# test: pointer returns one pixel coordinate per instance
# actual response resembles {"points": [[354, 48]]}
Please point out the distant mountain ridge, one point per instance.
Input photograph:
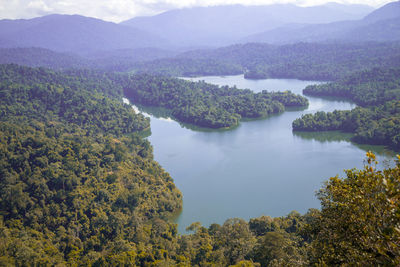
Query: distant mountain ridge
{"points": [[388, 11], [116, 60], [119, 47], [73, 33], [382, 24], [222, 25]]}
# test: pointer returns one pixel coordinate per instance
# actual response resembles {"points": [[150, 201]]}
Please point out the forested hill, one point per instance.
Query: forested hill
{"points": [[207, 105], [377, 122], [200, 104], [41, 57], [307, 61], [74, 33], [366, 88], [83, 100], [114, 60], [77, 182], [79, 187]]}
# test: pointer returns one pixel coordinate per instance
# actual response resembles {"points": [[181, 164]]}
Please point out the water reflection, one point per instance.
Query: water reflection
{"points": [[338, 136], [259, 168], [328, 136]]}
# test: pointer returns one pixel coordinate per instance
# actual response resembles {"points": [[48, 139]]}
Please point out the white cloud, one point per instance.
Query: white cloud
{"points": [[119, 10]]}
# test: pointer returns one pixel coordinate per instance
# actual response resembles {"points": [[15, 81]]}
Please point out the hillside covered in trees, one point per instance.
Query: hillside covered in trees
{"points": [[79, 186], [376, 121], [200, 104], [207, 105], [366, 88], [76, 178], [305, 61]]}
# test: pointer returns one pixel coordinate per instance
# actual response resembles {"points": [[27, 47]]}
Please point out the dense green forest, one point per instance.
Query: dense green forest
{"points": [[366, 88], [305, 61], [207, 105], [177, 66], [114, 60], [38, 94], [79, 186], [377, 121], [76, 178], [201, 104], [40, 57]]}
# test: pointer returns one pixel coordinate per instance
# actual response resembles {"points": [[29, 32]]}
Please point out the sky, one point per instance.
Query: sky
{"points": [[120, 10]]}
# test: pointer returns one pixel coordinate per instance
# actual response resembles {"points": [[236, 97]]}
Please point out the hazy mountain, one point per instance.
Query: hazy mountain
{"points": [[357, 11], [295, 33], [73, 33], [221, 25], [306, 61], [382, 24], [115, 60], [135, 54], [388, 11], [41, 57], [124, 59]]}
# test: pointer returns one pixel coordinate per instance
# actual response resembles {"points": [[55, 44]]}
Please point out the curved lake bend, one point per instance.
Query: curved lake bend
{"points": [[259, 168]]}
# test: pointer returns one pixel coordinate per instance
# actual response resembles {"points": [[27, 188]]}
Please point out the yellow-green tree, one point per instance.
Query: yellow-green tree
{"points": [[360, 218]]}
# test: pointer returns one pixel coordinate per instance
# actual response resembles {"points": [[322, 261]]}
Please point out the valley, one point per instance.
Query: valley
{"points": [[232, 133]]}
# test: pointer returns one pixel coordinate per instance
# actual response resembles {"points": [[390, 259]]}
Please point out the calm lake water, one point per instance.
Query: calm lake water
{"points": [[259, 168]]}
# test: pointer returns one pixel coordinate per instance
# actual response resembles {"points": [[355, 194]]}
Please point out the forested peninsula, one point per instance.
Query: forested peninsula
{"points": [[196, 103], [376, 121], [207, 105]]}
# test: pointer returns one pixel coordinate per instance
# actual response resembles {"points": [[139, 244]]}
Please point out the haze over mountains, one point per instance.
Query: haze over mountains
{"points": [[74, 33], [222, 25], [175, 31], [382, 24]]}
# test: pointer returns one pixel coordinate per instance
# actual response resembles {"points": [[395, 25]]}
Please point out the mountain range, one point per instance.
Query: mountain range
{"points": [[74, 33], [223, 25], [382, 24], [181, 30]]}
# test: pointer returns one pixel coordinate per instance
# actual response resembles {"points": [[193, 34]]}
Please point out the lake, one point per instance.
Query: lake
{"points": [[259, 168]]}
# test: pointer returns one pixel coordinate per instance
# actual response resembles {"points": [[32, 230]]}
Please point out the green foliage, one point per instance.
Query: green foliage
{"points": [[78, 185], [366, 88], [38, 93], [41, 57], [306, 61], [241, 243], [86, 191], [379, 124], [257, 72], [204, 104], [112, 60], [359, 221], [186, 67]]}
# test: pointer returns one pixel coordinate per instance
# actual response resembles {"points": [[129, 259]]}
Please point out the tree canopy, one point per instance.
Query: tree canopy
{"points": [[79, 186], [204, 104], [376, 122]]}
